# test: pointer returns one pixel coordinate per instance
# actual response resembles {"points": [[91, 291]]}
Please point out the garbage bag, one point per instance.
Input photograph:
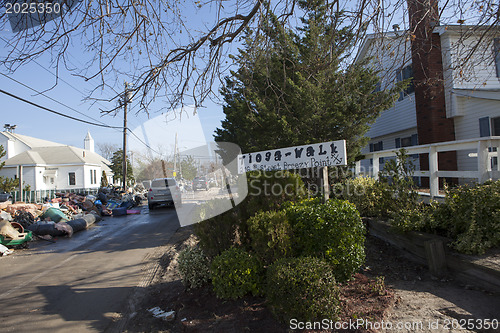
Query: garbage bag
{"points": [[55, 214]]}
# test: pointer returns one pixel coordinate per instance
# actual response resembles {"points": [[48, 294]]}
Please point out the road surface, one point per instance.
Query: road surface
{"points": [[83, 283]]}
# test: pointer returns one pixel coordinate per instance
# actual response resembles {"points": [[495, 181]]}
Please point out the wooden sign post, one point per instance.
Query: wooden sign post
{"points": [[326, 185]]}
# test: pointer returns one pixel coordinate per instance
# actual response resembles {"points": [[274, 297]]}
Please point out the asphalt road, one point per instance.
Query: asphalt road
{"points": [[83, 283]]}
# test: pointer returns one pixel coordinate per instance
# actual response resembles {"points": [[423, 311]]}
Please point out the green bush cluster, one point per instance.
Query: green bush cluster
{"points": [[271, 235], [386, 198], [333, 231], [306, 247], [363, 193], [194, 267], [470, 216], [218, 233], [302, 288], [236, 273], [230, 228]]}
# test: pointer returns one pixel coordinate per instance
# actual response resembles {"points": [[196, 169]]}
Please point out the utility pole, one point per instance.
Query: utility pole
{"points": [[126, 100], [175, 156]]}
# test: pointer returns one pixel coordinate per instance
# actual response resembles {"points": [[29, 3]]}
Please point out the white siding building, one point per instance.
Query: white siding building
{"points": [[471, 91], [48, 165]]}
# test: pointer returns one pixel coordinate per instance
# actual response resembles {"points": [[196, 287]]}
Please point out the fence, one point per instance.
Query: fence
{"points": [[486, 149], [40, 195]]}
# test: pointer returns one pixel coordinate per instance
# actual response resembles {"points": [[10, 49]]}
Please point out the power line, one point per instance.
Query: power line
{"points": [[56, 76], [52, 99], [69, 107], [58, 113], [45, 68], [64, 81]]}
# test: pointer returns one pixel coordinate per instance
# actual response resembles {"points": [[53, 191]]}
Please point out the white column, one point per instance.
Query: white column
{"points": [[433, 172], [483, 165], [376, 166]]}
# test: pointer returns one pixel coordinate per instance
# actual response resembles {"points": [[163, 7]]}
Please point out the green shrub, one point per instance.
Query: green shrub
{"points": [[414, 218], [230, 228], [366, 194], [236, 273], [216, 234], [387, 197], [302, 288], [270, 190], [471, 217], [333, 231], [270, 234], [194, 268]]}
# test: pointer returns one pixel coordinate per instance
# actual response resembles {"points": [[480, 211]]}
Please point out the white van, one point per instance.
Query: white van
{"points": [[164, 191]]}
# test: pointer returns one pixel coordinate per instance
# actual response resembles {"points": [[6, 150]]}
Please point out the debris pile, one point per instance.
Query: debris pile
{"points": [[63, 215]]}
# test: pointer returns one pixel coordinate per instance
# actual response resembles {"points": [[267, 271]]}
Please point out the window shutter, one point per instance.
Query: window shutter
{"points": [[414, 140], [371, 147], [484, 126], [398, 142], [380, 145]]}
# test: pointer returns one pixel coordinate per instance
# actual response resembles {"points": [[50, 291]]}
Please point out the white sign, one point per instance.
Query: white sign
{"points": [[306, 156]]}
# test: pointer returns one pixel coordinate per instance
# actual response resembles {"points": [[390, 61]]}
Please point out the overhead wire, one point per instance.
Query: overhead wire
{"points": [[101, 124], [55, 112], [52, 99]]}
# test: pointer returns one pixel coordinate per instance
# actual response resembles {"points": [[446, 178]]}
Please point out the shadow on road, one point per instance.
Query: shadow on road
{"points": [[97, 306]]}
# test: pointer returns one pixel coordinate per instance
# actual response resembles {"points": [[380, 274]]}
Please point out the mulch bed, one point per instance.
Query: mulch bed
{"points": [[199, 310]]}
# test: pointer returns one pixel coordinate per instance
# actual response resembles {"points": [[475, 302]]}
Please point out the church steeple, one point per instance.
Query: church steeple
{"points": [[89, 142]]}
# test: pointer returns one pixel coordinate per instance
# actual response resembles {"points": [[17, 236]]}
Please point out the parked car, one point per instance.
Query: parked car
{"points": [[5, 197], [200, 183], [164, 191]]}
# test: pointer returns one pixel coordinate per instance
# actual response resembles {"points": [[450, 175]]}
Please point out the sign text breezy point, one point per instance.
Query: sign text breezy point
{"points": [[306, 156]]}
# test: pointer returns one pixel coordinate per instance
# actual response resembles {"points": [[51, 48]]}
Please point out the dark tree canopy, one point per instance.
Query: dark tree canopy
{"points": [[290, 88], [117, 168]]}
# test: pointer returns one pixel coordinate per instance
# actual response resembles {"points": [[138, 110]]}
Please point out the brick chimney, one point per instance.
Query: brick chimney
{"points": [[432, 124]]}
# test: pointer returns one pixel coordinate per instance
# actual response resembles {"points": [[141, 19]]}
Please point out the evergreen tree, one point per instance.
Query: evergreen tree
{"points": [[117, 168], [297, 92]]}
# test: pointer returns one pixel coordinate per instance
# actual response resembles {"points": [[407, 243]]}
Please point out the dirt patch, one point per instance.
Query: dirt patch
{"points": [[426, 304], [409, 296]]}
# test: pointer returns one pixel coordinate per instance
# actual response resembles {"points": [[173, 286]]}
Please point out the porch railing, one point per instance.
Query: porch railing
{"points": [[484, 151]]}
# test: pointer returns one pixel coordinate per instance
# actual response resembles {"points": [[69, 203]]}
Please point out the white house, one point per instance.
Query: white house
{"points": [[49, 165], [458, 99]]}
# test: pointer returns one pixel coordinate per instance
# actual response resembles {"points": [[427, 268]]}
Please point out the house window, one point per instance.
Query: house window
{"points": [[72, 178], [407, 141], [484, 127], [496, 54], [495, 126], [404, 74], [95, 176], [376, 146]]}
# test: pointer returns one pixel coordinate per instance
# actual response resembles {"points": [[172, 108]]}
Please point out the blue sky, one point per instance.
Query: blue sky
{"points": [[42, 124], [71, 91]]}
